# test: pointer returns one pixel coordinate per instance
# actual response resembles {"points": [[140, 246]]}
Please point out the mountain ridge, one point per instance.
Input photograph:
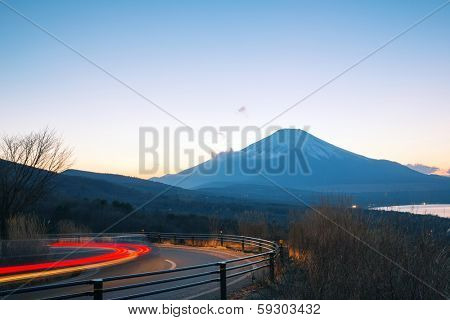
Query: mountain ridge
{"points": [[331, 168]]}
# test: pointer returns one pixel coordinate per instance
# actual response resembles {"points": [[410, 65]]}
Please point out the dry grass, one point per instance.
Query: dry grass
{"points": [[328, 263], [213, 244], [68, 226], [202, 243], [25, 227], [23, 230]]}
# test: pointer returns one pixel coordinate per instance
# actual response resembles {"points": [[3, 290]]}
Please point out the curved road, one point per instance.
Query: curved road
{"points": [[162, 257]]}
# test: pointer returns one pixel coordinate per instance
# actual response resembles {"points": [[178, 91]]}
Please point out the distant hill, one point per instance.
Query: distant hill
{"points": [[299, 161], [84, 184], [124, 181], [75, 186]]}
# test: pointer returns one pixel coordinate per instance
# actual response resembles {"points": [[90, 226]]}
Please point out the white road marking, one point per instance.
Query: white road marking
{"points": [[208, 250], [173, 265], [230, 283]]}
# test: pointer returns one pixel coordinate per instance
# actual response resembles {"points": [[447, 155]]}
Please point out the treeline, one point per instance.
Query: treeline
{"points": [[99, 215]]}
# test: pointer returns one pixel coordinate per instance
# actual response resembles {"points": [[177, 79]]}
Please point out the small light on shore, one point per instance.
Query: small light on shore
{"points": [[354, 206]]}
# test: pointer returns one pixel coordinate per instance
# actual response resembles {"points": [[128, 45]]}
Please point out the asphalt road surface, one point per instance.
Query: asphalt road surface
{"points": [[162, 257]]}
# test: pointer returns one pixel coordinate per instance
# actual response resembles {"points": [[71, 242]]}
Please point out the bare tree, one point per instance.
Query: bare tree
{"points": [[253, 224], [27, 166], [214, 223]]}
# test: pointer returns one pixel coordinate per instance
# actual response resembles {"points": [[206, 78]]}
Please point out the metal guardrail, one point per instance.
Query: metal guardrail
{"points": [[268, 255]]}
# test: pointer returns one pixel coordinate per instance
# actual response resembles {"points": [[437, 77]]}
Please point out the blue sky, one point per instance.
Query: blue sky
{"points": [[203, 60]]}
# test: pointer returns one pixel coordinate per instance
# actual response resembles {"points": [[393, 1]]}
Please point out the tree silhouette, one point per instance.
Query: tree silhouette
{"points": [[30, 162]]}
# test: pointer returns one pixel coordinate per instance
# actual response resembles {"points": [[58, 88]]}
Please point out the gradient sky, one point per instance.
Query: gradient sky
{"points": [[203, 60]]}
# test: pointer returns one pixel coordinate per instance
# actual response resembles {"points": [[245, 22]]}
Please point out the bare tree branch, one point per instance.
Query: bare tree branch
{"points": [[28, 163]]}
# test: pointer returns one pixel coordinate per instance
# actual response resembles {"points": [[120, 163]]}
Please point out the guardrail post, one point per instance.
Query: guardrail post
{"points": [[221, 240], [98, 289], [159, 238], [175, 239], [243, 245], [272, 266], [281, 248], [223, 280], [259, 246]]}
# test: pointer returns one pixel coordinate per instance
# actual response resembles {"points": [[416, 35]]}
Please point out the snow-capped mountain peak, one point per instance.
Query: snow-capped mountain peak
{"points": [[288, 140]]}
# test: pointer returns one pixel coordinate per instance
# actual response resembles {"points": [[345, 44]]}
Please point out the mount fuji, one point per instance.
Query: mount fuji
{"points": [[295, 159]]}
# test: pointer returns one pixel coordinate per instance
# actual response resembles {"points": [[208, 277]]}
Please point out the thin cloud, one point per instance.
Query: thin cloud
{"points": [[423, 168], [443, 172]]}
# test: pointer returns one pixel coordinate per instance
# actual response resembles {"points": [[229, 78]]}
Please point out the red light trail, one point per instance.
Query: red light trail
{"points": [[120, 252]]}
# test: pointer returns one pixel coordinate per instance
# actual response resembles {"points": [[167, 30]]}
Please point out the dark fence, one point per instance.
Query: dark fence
{"points": [[261, 254]]}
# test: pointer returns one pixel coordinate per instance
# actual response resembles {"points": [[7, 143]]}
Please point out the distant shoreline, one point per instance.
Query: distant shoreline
{"points": [[441, 210]]}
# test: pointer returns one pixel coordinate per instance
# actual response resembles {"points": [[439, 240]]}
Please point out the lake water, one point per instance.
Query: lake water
{"points": [[442, 210]]}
